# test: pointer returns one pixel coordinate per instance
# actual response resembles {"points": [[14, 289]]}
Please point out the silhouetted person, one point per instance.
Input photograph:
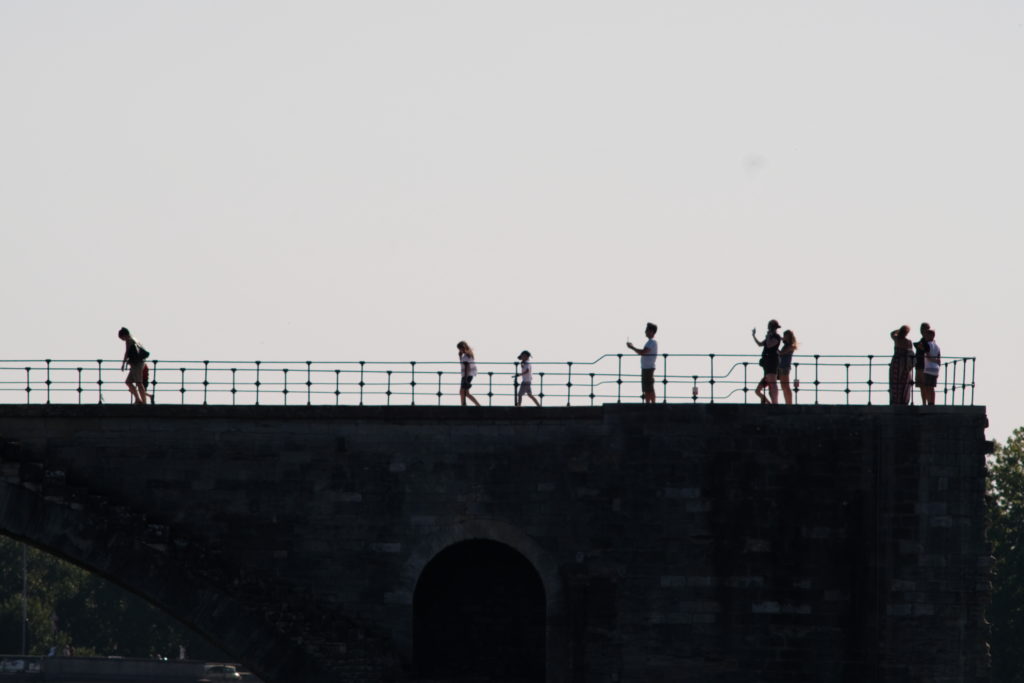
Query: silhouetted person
{"points": [[932, 365], [769, 361], [467, 364], [135, 360], [921, 349], [525, 386], [649, 356], [789, 345], [901, 367]]}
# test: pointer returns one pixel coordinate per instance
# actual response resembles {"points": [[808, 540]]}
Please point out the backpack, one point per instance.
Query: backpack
{"points": [[137, 353]]}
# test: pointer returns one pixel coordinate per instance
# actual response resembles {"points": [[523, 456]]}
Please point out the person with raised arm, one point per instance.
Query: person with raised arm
{"points": [[769, 362], [649, 356]]}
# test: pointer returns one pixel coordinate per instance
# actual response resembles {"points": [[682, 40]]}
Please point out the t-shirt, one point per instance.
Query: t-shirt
{"points": [[650, 355], [471, 371], [933, 359], [527, 371]]}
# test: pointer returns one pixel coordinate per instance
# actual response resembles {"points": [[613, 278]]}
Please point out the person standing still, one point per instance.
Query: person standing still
{"points": [[648, 357], [135, 361], [932, 366], [921, 349], [769, 361], [901, 367]]}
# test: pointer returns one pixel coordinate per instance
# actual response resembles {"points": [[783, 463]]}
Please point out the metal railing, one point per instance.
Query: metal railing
{"points": [[612, 378]]}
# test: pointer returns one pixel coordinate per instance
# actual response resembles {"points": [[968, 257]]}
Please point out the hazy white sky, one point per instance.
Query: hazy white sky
{"points": [[377, 180]]}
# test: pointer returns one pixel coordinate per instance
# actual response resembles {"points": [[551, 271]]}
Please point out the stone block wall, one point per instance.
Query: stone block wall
{"points": [[719, 543]]}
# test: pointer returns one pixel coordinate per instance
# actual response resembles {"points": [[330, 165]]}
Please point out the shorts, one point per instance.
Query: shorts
{"points": [[783, 370], [524, 389], [135, 373], [928, 381], [647, 380], [467, 382], [770, 365]]}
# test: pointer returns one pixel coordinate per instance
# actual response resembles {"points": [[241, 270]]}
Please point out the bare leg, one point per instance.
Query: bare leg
{"points": [[773, 388], [759, 391], [141, 391], [133, 391], [470, 397], [786, 391], [534, 399]]}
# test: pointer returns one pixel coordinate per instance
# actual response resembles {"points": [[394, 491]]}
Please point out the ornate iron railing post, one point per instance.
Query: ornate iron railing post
{"points": [[568, 386], [870, 379], [816, 382], [47, 381], [309, 382], [257, 382], [618, 398], [206, 379], [711, 376], [412, 381], [362, 384], [99, 379]]}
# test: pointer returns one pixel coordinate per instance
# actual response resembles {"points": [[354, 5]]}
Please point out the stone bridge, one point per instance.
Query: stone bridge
{"points": [[723, 543]]}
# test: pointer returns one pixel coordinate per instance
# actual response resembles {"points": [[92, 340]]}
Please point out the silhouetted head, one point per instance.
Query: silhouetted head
{"points": [[789, 338], [925, 327], [123, 333], [929, 335], [463, 347], [903, 331], [525, 355], [651, 330], [773, 325]]}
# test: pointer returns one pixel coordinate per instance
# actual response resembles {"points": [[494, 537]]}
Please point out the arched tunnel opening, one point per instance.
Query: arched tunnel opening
{"points": [[479, 613]]}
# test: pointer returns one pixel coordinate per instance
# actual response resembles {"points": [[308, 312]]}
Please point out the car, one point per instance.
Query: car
{"points": [[221, 673], [13, 666]]}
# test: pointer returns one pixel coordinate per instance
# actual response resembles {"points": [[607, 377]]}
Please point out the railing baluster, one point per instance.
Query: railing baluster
{"points": [[47, 381], [618, 382], [258, 382], [412, 381], [309, 382], [206, 379], [568, 386], [711, 381]]}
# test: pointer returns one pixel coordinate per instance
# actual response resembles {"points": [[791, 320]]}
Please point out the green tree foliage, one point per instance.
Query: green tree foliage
{"points": [[69, 607], [1006, 533]]}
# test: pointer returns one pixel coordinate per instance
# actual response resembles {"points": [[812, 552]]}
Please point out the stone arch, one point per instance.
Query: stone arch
{"points": [[546, 568], [101, 545], [479, 610]]}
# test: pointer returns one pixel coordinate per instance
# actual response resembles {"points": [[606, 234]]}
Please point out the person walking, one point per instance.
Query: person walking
{"points": [[901, 367], [769, 362], [134, 360], [789, 345], [525, 384], [648, 361], [467, 364]]}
